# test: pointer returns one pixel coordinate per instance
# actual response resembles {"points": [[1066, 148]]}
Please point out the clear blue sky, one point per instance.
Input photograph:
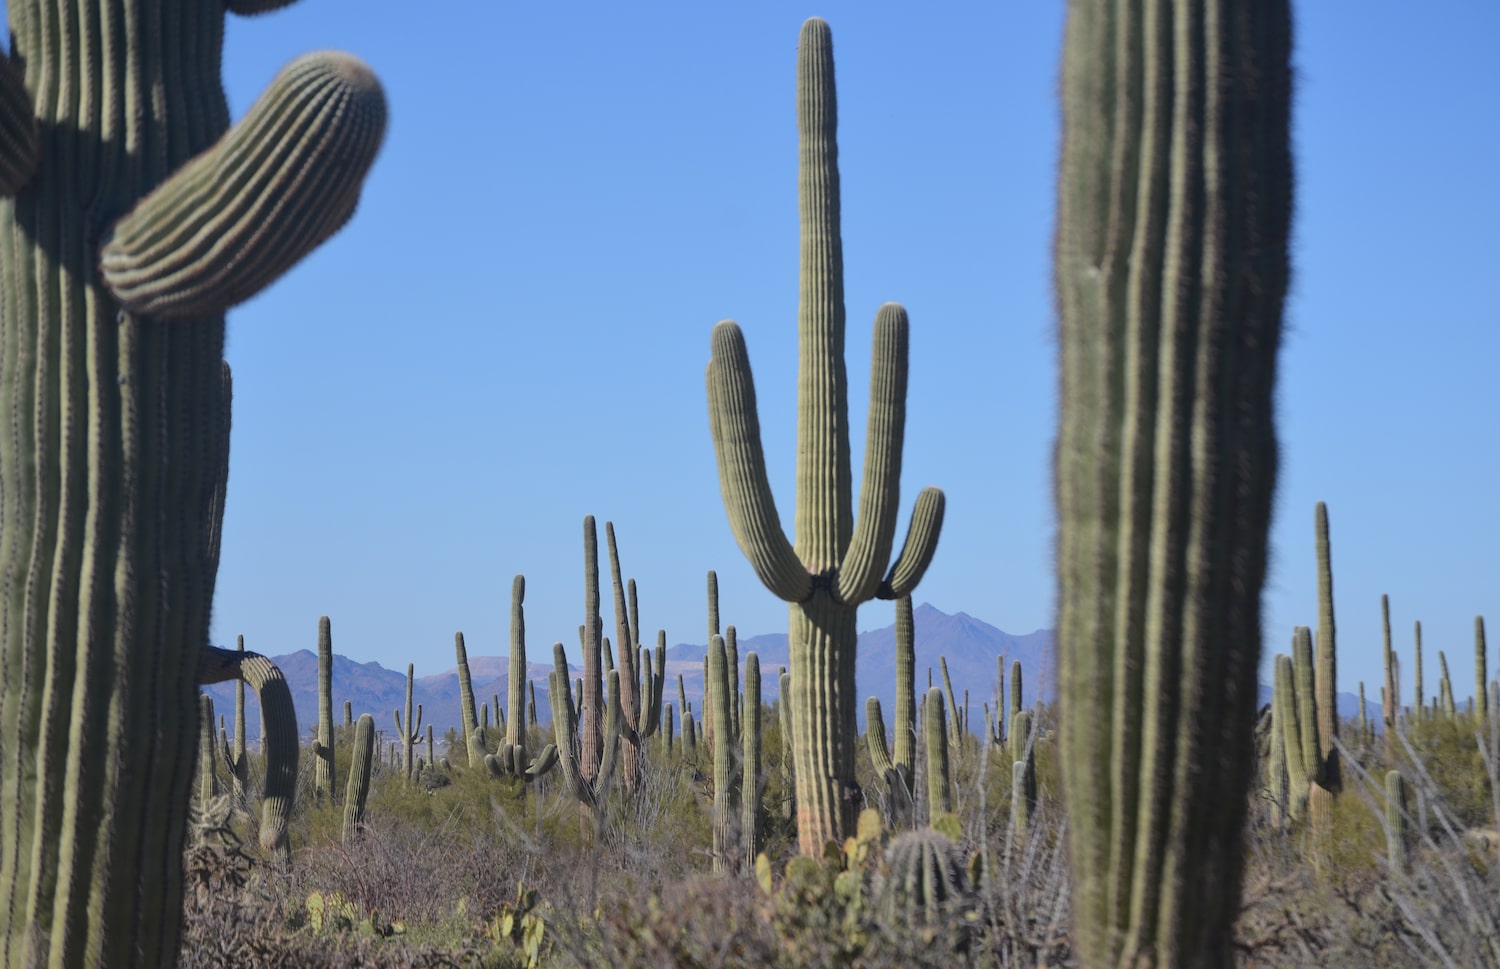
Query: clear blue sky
{"points": [[512, 333]]}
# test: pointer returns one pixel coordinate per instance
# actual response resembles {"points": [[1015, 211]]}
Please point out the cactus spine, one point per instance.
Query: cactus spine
{"points": [[323, 749], [836, 564], [512, 759], [113, 125], [1174, 211], [409, 729], [362, 758], [897, 771], [751, 789]]}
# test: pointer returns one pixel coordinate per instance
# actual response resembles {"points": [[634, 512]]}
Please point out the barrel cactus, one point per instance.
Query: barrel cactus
{"points": [[924, 885], [1174, 215], [837, 562], [133, 216]]}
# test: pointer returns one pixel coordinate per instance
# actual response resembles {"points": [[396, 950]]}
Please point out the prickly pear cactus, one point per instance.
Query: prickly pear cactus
{"points": [[132, 218]]}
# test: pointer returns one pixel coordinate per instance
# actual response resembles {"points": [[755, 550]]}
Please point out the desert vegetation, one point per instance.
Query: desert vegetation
{"points": [[1157, 814]]}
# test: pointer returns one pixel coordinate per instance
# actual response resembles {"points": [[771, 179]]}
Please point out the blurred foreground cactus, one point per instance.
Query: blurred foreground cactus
{"points": [[1174, 210], [132, 218], [836, 563]]}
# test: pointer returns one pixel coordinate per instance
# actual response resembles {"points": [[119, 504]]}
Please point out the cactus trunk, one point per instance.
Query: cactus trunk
{"points": [[323, 765], [1174, 211]]}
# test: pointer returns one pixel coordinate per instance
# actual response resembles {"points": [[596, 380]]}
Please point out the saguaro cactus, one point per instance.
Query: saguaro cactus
{"points": [[323, 750], [513, 758], [409, 729], [132, 218], [836, 563], [1481, 671], [751, 789], [896, 770], [235, 760], [208, 775], [726, 790], [474, 734], [1174, 210], [1022, 773], [641, 686], [939, 775], [1326, 669], [362, 758], [1397, 834]]}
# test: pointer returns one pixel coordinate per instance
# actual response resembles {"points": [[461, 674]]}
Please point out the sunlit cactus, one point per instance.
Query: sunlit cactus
{"points": [[1171, 253], [838, 561], [361, 759]]}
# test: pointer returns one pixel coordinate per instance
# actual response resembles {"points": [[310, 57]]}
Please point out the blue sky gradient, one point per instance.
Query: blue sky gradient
{"points": [[512, 333]]}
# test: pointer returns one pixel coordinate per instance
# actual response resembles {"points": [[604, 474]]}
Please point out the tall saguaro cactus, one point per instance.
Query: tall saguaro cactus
{"points": [[1174, 212], [513, 758], [323, 750], [836, 563], [132, 218], [641, 684]]}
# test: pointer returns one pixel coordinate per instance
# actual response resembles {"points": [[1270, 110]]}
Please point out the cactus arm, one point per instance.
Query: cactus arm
{"points": [[1481, 671], [279, 183], [515, 725], [20, 144], [880, 492], [742, 469], [630, 699], [613, 720], [724, 814], [918, 549], [824, 516], [250, 8], [474, 739], [954, 724], [278, 734]]}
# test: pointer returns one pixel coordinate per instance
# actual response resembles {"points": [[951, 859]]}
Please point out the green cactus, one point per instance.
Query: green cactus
{"points": [[348, 714], [788, 776], [1397, 835], [955, 726], [1481, 671], [512, 759], [1022, 774], [1419, 703], [362, 758], [939, 776], [689, 735], [117, 214], [897, 771], [641, 686], [323, 750], [836, 564], [235, 760], [1445, 688], [726, 802], [1286, 717], [1330, 776], [473, 734], [1388, 692], [751, 788], [713, 630], [279, 735], [1364, 720], [1174, 212], [997, 735], [409, 729], [1276, 762], [1016, 704], [924, 884], [208, 775], [668, 731]]}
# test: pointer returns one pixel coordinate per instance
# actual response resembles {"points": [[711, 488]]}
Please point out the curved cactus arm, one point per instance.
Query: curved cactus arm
{"points": [[653, 684], [249, 8], [742, 468], [920, 545], [880, 491], [278, 184], [544, 762], [278, 734], [20, 141]]}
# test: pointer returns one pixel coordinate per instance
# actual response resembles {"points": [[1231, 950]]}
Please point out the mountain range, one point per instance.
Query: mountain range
{"points": [[970, 646]]}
